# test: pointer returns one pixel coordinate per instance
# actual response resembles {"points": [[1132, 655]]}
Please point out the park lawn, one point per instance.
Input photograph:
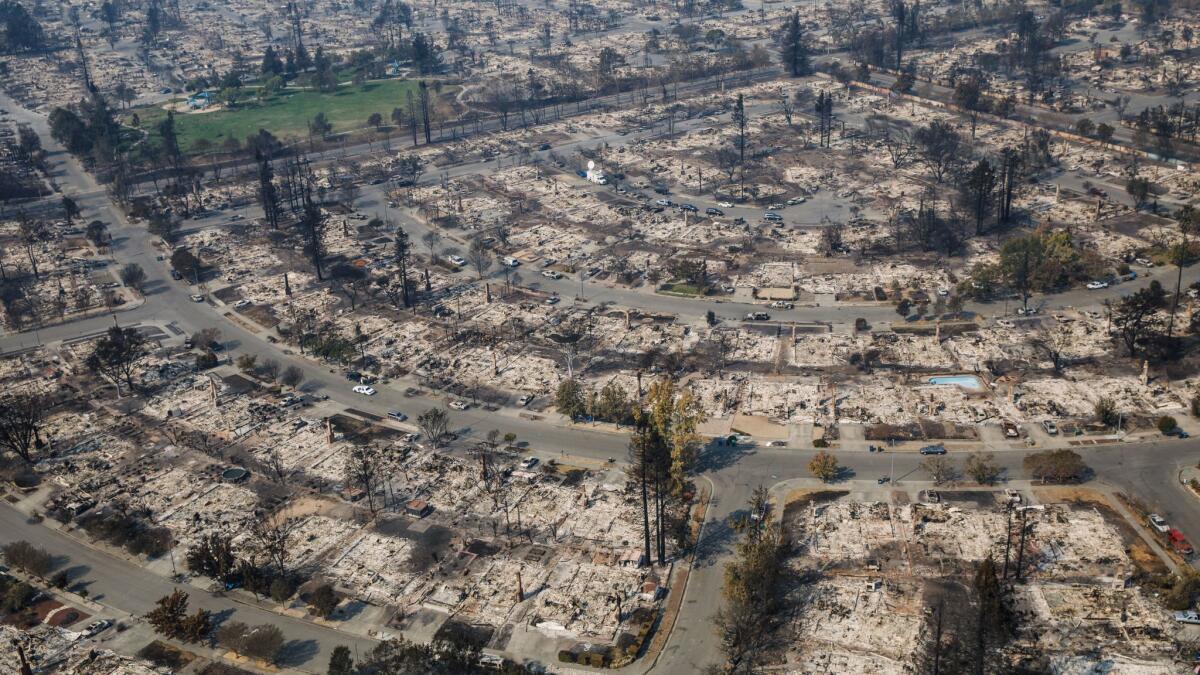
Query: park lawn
{"points": [[286, 114]]}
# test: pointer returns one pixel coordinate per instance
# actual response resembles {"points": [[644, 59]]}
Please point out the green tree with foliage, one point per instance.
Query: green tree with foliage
{"points": [[568, 398], [794, 48], [169, 613]]}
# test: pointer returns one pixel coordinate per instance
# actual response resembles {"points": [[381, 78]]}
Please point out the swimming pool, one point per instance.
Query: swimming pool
{"points": [[969, 382]]}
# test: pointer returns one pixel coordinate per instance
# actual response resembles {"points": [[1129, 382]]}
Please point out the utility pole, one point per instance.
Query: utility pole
{"points": [[1007, 539], [1021, 545]]}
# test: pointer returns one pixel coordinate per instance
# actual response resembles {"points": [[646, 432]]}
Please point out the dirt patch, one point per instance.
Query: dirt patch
{"points": [[314, 506], [261, 315], [167, 656], [795, 502], [974, 498]]}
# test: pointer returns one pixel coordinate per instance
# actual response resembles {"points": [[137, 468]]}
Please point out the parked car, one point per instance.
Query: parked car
{"points": [[1014, 497], [796, 200], [1050, 427], [725, 205], [457, 260], [688, 207], [459, 405], [551, 274], [1187, 616], [1010, 429], [775, 207], [552, 300], [524, 400], [197, 297], [1179, 542], [758, 316], [782, 304], [933, 450], [772, 216], [1097, 285], [1157, 522], [176, 275], [241, 303], [714, 212], [364, 390], [397, 415], [662, 202], [96, 627], [529, 463]]}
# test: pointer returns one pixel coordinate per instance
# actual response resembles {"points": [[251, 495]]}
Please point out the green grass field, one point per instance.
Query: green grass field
{"points": [[286, 114]]}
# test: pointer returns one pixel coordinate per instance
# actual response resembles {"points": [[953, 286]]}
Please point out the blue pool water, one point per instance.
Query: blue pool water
{"points": [[965, 381]]}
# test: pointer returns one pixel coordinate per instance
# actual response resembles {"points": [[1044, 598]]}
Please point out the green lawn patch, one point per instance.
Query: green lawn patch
{"points": [[285, 114], [680, 289]]}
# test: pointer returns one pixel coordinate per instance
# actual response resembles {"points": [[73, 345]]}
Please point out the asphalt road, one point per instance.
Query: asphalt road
{"points": [[130, 589]]}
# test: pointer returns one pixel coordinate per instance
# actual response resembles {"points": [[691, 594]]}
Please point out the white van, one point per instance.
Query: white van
{"points": [[512, 262]]}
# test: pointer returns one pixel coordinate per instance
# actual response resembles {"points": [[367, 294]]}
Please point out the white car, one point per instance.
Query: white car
{"points": [[782, 304], [552, 300], [551, 274], [796, 200], [364, 390], [1050, 427], [725, 205], [1005, 322], [1187, 616], [1157, 522], [241, 303], [459, 405], [457, 260], [96, 627], [197, 298], [1097, 285]]}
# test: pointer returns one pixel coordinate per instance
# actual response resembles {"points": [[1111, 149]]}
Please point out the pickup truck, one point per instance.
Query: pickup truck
{"points": [[1187, 616], [1179, 542]]}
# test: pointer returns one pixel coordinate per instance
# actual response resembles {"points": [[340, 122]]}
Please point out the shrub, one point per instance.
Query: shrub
{"points": [[820, 443], [206, 360], [1167, 424], [17, 596], [1183, 591], [258, 642], [323, 601], [1055, 466], [1196, 406], [281, 590]]}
